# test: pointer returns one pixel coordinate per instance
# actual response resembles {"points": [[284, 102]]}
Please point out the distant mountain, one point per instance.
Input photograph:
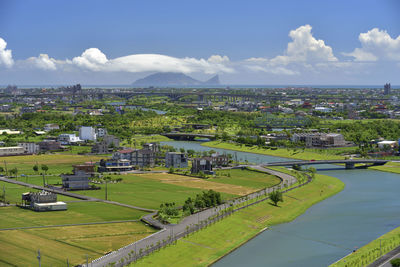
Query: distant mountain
{"points": [[166, 79]]}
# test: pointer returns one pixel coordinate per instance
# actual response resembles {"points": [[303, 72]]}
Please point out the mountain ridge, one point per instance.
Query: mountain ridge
{"points": [[166, 79]]}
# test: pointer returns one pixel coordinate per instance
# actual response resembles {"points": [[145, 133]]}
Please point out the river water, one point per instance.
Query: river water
{"points": [[368, 207]]}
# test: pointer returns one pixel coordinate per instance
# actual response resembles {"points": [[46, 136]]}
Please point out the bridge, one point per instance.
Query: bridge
{"points": [[188, 136], [349, 163]]}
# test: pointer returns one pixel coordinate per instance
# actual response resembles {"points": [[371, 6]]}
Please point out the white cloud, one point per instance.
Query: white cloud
{"points": [[5, 54], [273, 70], [218, 59], [95, 60], [305, 48], [43, 62], [376, 45]]}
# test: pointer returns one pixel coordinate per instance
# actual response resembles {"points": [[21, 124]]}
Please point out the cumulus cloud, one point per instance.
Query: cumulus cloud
{"points": [[5, 54], [305, 48], [43, 61], [95, 60], [376, 45]]}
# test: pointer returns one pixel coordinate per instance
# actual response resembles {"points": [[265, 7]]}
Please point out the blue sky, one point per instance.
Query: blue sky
{"points": [[245, 42]]}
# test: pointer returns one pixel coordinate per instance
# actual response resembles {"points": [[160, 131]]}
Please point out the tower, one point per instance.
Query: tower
{"points": [[387, 89]]}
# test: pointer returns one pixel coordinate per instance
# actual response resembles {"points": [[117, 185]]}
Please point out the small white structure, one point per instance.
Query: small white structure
{"points": [[87, 133], [323, 109], [8, 131], [391, 144], [66, 139]]}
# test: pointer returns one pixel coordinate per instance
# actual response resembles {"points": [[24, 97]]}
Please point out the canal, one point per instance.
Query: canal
{"points": [[368, 207]]}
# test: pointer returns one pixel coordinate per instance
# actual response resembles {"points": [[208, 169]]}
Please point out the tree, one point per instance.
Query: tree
{"points": [[45, 168], [35, 168], [276, 196], [395, 262]]}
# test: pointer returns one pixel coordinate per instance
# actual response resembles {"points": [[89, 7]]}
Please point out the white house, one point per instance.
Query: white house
{"points": [[66, 139], [30, 147], [87, 133], [391, 144], [51, 126]]}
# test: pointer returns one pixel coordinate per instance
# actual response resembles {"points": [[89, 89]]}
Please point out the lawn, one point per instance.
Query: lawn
{"points": [[307, 154], [247, 178], [77, 212], [145, 192], [388, 167], [19, 247], [210, 244], [57, 163]]}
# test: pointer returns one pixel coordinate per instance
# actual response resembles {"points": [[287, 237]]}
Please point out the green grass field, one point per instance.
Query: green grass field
{"points": [[371, 251], [388, 167], [144, 192], [247, 178], [210, 244], [57, 163], [19, 247], [280, 152], [77, 212]]}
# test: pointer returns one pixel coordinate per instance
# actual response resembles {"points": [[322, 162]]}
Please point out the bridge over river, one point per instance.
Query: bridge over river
{"points": [[349, 163]]}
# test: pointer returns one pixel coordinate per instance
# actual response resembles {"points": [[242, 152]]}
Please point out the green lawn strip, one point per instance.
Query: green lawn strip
{"points": [[139, 139], [144, 192], [57, 163], [371, 251], [20, 247], [388, 167], [77, 212], [247, 178], [210, 244], [322, 154]]}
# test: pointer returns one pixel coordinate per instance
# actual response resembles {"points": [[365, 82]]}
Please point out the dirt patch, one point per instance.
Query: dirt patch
{"points": [[199, 183]]}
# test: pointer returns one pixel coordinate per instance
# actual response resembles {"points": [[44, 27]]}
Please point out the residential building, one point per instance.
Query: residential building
{"points": [[111, 140], [319, 139], [87, 133], [176, 160], [115, 165], [101, 132], [79, 180], [30, 147], [202, 165], [138, 157], [388, 144], [106, 146], [68, 139], [49, 145], [42, 201], [12, 151]]}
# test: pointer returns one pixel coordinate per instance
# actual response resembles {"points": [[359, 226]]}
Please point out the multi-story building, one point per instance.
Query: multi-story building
{"points": [[101, 132], [87, 133], [176, 160], [49, 145], [51, 126], [42, 201], [387, 89], [319, 139], [12, 151], [137, 157], [202, 165], [30, 147]]}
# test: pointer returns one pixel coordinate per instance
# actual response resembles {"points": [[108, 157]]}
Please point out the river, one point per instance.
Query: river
{"points": [[368, 207]]}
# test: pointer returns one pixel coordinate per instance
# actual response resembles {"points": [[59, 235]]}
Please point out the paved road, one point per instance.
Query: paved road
{"points": [[176, 229]]}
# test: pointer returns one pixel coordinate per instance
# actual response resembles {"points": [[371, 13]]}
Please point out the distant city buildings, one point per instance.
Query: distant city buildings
{"points": [[387, 89]]}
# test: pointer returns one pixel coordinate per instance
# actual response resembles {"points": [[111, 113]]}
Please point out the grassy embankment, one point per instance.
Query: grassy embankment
{"points": [[19, 247], [371, 251], [307, 154], [210, 244]]}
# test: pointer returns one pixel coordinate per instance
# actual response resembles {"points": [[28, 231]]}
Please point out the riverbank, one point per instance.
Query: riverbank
{"points": [[371, 251], [212, 243], [279, 152], [393, 167]]}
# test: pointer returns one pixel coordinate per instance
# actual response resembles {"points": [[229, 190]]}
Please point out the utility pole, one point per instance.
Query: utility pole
{"points": [[380, 246], [106, 188], [39, 257], [67, 263], [44, 180], [5, 167]]}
